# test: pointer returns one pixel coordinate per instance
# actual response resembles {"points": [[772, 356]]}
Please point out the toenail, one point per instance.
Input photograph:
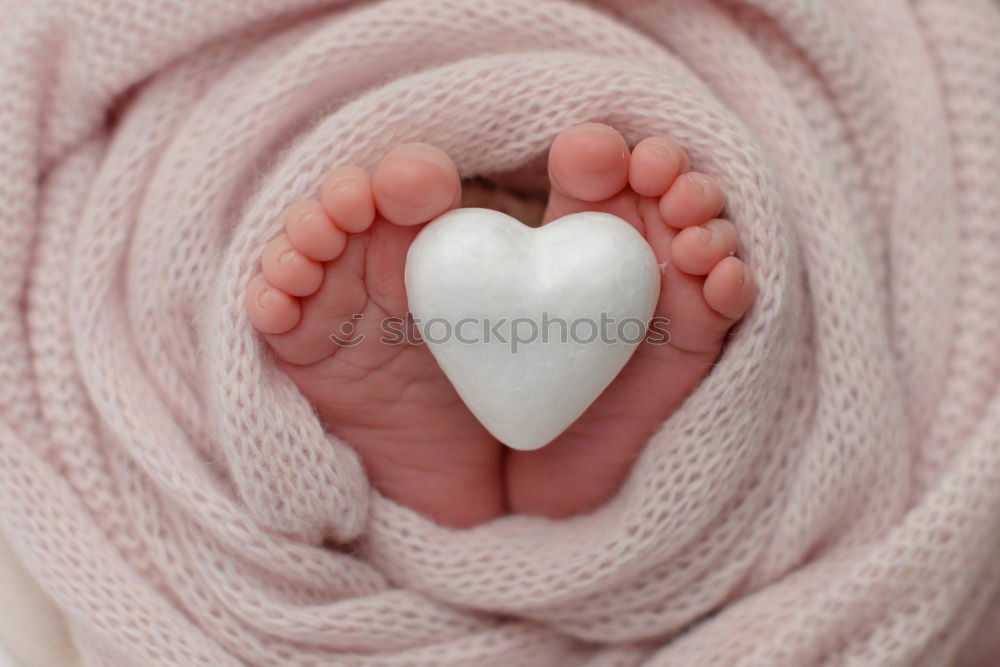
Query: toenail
{"points": [[701, 181], [704, 232], [286, 257], [661, 149], [600, 127], [344, 186], [267, 297], [427, 161]]}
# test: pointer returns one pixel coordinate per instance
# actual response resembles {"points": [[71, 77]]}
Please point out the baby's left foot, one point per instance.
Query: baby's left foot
{"points": [[704, 291], [328, 288]]}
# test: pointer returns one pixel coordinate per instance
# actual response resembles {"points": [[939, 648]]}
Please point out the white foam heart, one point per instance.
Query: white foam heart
{"points": [[484, 288]]}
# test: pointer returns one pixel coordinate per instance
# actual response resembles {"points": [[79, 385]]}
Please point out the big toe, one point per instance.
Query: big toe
{"points": [[415, 183], [589, 162]]}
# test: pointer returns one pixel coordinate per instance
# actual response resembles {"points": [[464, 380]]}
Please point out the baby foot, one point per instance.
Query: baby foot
{"points": [[326, 288], [704, 291], [331, 281]]}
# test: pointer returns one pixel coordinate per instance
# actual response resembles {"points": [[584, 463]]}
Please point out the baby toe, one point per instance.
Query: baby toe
{"points": [[346, 196], [271, 310], [289, 270], [415, 183], [312, 233], [589, 162], [698, 248], [655, 164], [694, 198], [729, 288]]}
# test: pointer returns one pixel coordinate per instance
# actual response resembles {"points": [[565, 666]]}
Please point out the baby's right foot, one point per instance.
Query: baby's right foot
{"points": [[341, 256], [704, 291]]}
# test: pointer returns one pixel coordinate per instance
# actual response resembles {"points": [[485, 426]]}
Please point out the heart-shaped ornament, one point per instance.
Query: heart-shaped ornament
{"points": [[530, 325]]}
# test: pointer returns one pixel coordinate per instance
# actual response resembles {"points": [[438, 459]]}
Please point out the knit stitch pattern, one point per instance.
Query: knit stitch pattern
{"points": [[829, 495]]}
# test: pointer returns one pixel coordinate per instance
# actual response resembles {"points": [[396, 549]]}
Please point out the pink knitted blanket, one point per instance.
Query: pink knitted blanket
{"points": [[829, 495]]}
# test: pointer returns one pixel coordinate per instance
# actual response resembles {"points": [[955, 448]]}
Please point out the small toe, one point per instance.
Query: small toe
{"points": [[415, 183], [346, 196], [698, 248], [693, 199], [312, 233], [655, 163], [730, 289], [289, 270], [589, 162], [271, 311]]}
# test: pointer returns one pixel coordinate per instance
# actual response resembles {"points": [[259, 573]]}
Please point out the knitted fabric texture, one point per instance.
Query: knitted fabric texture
{"points": [[829, 495]]}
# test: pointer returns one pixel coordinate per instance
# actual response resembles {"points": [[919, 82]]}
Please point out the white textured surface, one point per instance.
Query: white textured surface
{"points": [[484, 273], [31, 628]]}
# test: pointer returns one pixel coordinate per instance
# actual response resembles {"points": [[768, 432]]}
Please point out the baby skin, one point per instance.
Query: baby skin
{"points": [[338, 267]]}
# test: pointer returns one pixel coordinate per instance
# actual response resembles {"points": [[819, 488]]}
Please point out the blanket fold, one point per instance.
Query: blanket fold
{"points": [[829, 495]]}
